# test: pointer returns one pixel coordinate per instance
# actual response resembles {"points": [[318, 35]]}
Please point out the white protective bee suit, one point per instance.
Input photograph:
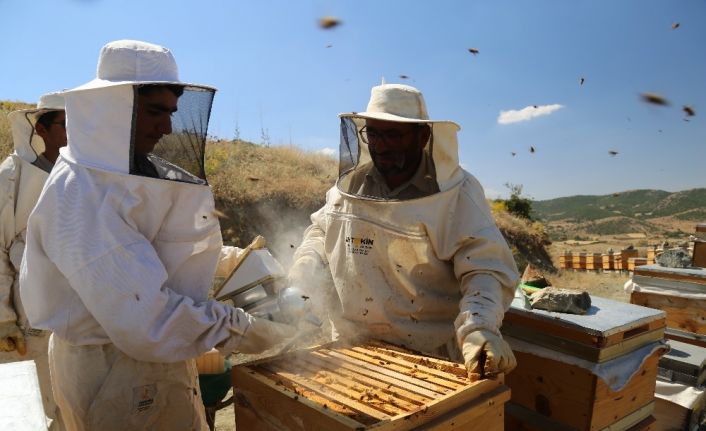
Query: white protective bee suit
{"points": [[21, 181], [423, 266], [127, 260]]}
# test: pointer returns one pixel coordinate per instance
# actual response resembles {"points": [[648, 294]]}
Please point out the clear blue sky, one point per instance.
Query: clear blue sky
{"points": [[271, 64]]}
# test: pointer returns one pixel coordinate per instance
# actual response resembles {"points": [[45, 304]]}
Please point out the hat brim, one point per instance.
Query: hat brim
{"points": [[102, 83], [384, 116]]}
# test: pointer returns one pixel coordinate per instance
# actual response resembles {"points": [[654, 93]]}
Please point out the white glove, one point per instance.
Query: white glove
{"points": [[263, 334], [486, 354], [11, 338], [295, 306]]}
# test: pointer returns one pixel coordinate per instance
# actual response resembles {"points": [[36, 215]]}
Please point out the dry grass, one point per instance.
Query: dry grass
{"points": [[6, 107], [603, 284]]}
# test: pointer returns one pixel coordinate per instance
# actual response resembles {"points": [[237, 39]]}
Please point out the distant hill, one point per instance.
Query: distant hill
{"points": [[635, 206]]}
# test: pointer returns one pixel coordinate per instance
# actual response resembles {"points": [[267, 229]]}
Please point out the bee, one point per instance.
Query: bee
{"points": [[473, 51], [675, 25], [654, 99], [581, 81], [404, 77], [513, 153], [688, 110], [329, 22], [613, 153], [532, 150]]}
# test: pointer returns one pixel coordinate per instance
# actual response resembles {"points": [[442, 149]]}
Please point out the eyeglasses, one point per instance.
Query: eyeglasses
{"points": [[391, 136]]}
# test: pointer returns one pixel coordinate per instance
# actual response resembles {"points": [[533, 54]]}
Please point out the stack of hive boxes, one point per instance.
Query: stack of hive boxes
{"points": [[566, 376], [681, 294]]}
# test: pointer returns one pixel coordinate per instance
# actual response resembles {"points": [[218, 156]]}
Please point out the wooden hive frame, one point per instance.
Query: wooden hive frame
{"points": [[373, 386]]}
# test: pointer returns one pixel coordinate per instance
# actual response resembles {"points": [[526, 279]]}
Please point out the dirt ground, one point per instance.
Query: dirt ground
{"points": [[225, 418]]}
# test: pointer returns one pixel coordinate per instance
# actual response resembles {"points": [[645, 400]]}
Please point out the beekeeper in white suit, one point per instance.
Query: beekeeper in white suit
{"points": [[37, 135], [408, 237], [127, 242]]}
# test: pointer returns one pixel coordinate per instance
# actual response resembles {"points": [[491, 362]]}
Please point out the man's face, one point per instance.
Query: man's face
{"points": [[396, 148], [154, 118], [55, 135]]}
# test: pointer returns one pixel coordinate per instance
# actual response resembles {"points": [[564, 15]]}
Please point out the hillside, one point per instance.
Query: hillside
{"points": [[636, 204], [272, 191]]}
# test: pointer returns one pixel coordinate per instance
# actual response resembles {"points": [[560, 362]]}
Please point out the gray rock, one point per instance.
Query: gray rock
{"points": [[561, 300], [674, 258]]}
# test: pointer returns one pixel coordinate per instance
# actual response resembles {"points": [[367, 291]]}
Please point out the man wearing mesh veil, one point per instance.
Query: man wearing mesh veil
{"points": [[127, 241], [37, 135], [408, 237]]}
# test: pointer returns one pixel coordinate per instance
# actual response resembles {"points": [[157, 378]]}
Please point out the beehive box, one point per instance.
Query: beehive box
{"points": [[373, 386], [634, 262], [565, 260], [609, 329], [545, 391], [684, 412], [684, 363], [699, 256], [579, 261], [684, 314], [608, 261], [594, 261], [550, 394]]}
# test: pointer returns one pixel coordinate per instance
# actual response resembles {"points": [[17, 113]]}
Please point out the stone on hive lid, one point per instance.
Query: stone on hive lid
{"points": [[561, 300]]}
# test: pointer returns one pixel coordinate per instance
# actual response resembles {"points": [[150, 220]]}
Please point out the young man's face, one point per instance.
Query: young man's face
{"points": [[395, 148], [54, 135], [154, 118]]}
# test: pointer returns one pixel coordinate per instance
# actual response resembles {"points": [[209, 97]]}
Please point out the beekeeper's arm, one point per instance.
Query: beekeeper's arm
{"points": [[310, 258], [127, 292], [488, 276], [10, 334]]}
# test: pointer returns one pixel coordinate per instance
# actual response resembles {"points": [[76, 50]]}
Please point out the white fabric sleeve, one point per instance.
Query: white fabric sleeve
{"points": [[125, 291], [314, 238], [7, 216], [488, 277], [7, 278]]}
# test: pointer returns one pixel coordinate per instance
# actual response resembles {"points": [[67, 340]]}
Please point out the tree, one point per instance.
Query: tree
{"points": [[517, 204]]}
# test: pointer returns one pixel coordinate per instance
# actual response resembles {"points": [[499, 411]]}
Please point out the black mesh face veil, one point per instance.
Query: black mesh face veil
{"points": [[179, 155], [384, 163], [348, 151]]}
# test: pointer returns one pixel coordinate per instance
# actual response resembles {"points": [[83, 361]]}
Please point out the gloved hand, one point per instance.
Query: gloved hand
{"points": [[263, 334], [295, 306], [11, 338], [486, 354]]}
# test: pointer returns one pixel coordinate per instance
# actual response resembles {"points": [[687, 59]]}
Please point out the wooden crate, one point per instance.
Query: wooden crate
{"points": [[370, 386], [594, 261], [575, 399], [609, 329]]}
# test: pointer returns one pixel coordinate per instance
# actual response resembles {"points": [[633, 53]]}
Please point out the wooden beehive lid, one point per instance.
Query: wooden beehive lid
{"points": [[609, 328], [684, 358], [371, 386], [691, 275], [701, 227]]}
